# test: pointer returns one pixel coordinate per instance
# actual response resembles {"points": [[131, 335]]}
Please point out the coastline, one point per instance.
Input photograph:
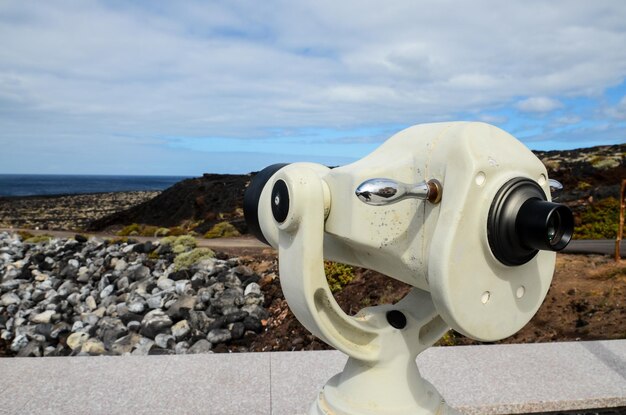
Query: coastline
{"points": [[66, 211]]}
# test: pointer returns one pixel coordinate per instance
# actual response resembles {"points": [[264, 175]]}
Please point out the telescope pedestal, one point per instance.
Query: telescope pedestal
{"points": [[391, 388]]}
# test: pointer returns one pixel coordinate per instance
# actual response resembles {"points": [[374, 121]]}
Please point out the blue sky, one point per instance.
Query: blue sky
{"points": [[186, 87]]}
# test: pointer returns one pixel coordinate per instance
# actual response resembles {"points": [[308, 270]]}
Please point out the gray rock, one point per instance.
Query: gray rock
{"points": [[59, 328], [90, 302], [183, 287], [66, 288], [137, 306], [256, 311], [19, 342], [111, 309], [77, 326], [154, 302], [199, 321], [205, 294], [32, 349], [11, 284], [103, 282], [242, 270], [231, 281], [94, 347], [76, 340], [155, 322], [89, 318], [128, 248], [254, 299], [252, 288], [143, 347], [229, 310], [83, 274], [107, 291], [50, 351], [10, 298], [44, 329], [122, 283], [69, 272], [109, 330], [181, 348], [201, 346], [165, 283], [253, 324], [237, 330], [218, 336], [137, 272], [39, 295], [125, 344], [44, 317], [207, 265], [181, 307], [121, 265], [181, 329], [231, 297], [164, 341], [134, 326]]}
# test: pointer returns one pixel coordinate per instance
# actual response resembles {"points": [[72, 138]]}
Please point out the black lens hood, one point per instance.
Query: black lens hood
{"points": [[522, 222]]}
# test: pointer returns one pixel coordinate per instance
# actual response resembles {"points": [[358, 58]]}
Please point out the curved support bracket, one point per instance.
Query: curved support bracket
{"points": [[381, 376], [301, 268]]}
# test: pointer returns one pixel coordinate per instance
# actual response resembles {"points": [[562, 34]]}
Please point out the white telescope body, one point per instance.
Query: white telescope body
{"points": [[436, 206]]}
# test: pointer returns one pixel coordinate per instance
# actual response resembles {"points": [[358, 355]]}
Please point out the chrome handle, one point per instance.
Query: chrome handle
{"points": [[555, 188], [555, 185], [380, 192]]}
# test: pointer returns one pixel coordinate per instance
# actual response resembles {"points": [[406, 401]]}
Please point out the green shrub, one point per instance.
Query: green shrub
{"points": [[222, 230], [338, 275], [148, 230], [130, 230], [37, 239], [583, 186], [177, 231], [161, 232], [605, 163], [448, 339], [599, 221], [187, 259], [24, 235], [180, 244]]}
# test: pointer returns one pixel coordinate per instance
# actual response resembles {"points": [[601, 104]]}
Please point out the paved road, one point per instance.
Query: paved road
{"points": [[604, 246], [600, 246], [246, 242]]}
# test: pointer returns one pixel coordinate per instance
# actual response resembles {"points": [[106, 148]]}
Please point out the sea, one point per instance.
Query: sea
{"points": [[38, 185]]}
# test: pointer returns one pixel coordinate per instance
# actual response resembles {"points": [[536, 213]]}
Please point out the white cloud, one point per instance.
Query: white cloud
{"points": [[567, 120], [538, 104], [618, 112], [493, 119], [249, 70]]}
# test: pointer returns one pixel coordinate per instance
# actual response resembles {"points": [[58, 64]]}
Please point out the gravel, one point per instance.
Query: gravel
{"points": [[79, 296]]}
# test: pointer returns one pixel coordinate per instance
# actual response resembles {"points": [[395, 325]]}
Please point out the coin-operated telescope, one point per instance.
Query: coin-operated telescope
{"points": [[460, 211]]}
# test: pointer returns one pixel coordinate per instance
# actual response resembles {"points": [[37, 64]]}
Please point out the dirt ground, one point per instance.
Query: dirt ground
{"points": [[586, 301]]}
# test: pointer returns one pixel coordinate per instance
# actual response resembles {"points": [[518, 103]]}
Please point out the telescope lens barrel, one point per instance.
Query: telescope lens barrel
{"points": [[522, 222], [544, 225]]}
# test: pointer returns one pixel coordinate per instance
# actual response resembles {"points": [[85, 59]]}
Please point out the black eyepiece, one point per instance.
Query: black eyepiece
{"points": [[522, 222], [251, 199], [545, 225]]}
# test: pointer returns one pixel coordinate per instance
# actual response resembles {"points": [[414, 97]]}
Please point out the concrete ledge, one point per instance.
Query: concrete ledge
{"points": [[498, 379]]}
